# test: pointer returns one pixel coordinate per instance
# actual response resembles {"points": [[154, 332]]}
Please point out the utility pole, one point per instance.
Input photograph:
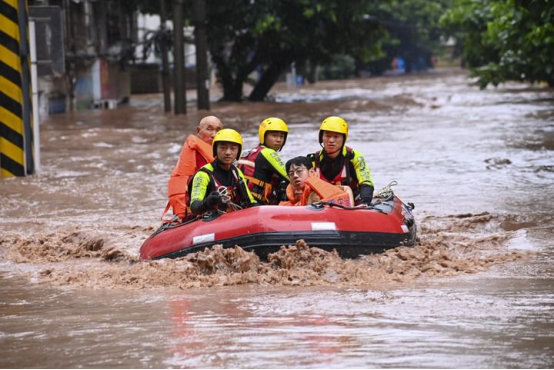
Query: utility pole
{"points": [[202, 78], [179, 58], [23, 19], [16, 126], [165, 63], [70, 73]]}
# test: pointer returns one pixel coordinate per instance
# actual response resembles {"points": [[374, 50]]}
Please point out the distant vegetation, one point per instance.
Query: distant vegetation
{"points": [[498, 39], [502, 40]]}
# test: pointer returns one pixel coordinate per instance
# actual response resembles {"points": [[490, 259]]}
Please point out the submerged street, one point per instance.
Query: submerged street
{"points": [[476, 290]]}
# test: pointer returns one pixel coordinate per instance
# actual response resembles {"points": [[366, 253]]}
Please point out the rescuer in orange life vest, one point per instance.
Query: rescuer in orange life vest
{"points": [[306, 188], [262, 166], [221, 185], [340, 165], [196, 152]]}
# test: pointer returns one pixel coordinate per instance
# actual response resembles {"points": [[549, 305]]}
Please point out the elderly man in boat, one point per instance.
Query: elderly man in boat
{"points": [[262, 166], [196, 152]]}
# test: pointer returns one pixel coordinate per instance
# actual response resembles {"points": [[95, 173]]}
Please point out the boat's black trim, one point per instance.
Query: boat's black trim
{"points": [[348, 244]]}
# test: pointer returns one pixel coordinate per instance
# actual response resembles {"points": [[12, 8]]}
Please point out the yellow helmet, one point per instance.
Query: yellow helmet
{"points": [[272, 124], [334, 124], [227, 135]]}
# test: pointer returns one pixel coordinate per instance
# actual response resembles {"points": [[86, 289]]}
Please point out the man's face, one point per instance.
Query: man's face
{"points": [[298, 175], [274, 139], [332, 142], [227, 152], [206, 131]]}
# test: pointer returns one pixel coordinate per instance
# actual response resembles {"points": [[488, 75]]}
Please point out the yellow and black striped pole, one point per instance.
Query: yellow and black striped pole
{"points": [[16, 140]]}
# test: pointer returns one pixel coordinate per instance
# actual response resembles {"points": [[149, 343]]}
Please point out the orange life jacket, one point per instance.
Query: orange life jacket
{"points": [[326, 192], [184, 170], [344, 177], [260, 189]]}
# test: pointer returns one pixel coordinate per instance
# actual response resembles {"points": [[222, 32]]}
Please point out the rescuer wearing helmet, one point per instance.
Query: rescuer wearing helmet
{"points": [[340, 165], [221, 185], [262, 166]]}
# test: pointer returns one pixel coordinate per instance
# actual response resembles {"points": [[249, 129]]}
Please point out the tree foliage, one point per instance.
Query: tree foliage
{"points": [[414, 29], [269, 35], [505, 39]]}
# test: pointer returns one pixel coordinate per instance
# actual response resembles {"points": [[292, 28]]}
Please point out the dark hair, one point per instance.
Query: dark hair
{"points": [[299, 161]]}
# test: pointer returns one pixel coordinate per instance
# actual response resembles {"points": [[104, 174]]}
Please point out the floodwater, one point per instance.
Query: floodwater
{"points": [[475, 292]]}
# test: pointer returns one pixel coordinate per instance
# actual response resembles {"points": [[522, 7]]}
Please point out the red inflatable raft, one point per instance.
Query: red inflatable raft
{"points": [[264, 229]]}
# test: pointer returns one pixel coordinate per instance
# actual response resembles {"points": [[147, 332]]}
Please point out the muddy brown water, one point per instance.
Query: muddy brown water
{"points": [[476, 291]]}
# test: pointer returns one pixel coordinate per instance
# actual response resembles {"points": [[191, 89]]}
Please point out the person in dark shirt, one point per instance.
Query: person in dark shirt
{"points": [[338, 164], [262, 166], [220, 185]]}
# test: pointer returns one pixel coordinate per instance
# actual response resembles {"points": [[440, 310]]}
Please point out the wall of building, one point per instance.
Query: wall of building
{"points": [[97, 36], [146, 73]]}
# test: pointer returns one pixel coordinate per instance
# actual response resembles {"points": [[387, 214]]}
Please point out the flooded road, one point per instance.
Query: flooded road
{"points": [[475, 292]]}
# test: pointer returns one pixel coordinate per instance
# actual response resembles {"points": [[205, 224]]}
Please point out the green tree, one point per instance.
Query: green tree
{"points": [[414, 29], [505, 40], [269, 35]]}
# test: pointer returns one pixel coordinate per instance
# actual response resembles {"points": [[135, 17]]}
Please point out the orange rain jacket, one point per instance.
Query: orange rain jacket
{"points": [[185, 168]]}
